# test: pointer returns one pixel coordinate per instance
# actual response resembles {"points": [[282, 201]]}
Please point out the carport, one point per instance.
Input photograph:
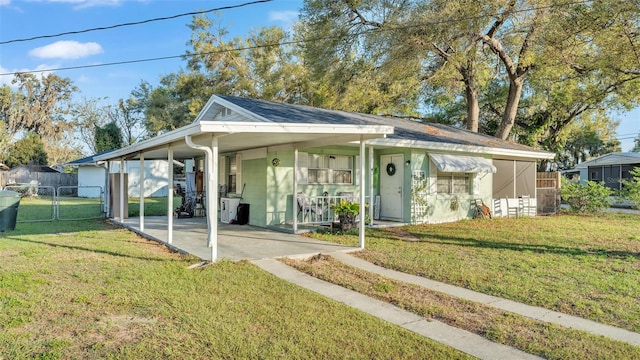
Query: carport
{"points": [[234, 242], [210, 135]]}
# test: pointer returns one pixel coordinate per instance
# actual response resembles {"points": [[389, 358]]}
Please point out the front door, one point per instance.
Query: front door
{"points": [[391, 181]]}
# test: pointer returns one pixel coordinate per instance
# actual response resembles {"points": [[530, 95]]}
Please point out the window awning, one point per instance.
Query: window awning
{"points": [[462, 164]]}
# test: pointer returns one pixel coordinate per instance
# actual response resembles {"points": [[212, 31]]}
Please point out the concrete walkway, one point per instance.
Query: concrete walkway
{"points": [[529, 311], [462, 340]]}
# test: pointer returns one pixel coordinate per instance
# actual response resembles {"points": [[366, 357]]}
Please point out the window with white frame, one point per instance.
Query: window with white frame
{"points": [[329, 169], [454, 183]]}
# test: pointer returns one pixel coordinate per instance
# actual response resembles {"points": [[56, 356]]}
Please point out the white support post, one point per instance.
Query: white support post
{"points": [[362, 179], [371, 199], [295, 191], [122, 190], [170, 196], [141, 191], [212, 198]]}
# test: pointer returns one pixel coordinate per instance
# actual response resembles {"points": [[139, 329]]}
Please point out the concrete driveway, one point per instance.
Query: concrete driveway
{"points": [[235, 242]]}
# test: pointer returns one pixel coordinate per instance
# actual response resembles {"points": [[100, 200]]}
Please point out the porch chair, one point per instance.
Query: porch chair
{"points": [[526, 205], [305, 207], [513, 207]]}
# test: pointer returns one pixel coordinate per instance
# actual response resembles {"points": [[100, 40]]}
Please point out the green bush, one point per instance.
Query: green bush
{"points": [[589, 197], [631, 189]]}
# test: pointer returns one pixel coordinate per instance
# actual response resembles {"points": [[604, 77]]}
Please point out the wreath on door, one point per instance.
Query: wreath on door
{"points": [[391, 169]]}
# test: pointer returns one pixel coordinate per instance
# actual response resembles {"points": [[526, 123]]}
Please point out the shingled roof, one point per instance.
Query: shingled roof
{"points": [[405, 129]]}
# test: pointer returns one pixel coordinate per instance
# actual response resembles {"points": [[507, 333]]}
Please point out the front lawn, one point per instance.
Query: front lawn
{"points": [[588, 266], [86, 289]]}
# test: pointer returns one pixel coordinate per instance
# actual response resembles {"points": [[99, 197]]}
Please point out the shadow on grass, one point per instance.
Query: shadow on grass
{"points": [[72, 247], [58, 226], [535, 248], [540, 249]]}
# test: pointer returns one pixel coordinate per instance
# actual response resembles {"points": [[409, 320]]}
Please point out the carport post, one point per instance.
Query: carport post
{"points": [[122, 190], [170, 197], [212, 198], [371, 202], [362, 186], [295, 190], [141, 179]]}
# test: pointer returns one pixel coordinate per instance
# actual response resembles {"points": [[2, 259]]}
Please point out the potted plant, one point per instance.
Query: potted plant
{"points": [[347, 212]]}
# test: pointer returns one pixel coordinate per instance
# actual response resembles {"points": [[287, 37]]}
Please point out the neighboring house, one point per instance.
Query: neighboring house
{"points": [[609, 168], [92, 176], [272, 153]]}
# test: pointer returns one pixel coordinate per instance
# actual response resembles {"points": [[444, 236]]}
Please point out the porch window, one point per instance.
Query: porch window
{"points": [[453, 183], [330, 169]]}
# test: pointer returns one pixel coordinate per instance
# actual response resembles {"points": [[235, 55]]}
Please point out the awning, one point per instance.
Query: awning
{"points": [[462, 164]]}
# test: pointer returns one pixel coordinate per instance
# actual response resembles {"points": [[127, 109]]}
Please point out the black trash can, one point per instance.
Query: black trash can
{"points": [[243, 214], [9, 202]]}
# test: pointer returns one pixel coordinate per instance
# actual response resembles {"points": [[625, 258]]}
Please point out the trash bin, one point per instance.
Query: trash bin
{"points": [[243, 214], [9, 202]]}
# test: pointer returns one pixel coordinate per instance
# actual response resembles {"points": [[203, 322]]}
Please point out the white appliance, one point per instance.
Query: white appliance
{"points": [[228, 209]]}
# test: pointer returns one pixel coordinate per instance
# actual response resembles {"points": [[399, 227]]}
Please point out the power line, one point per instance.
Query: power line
{"points": [[135, 22], [292, 42]]}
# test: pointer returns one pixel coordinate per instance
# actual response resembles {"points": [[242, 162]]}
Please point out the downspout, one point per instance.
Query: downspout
{"points": [[212, 236]]}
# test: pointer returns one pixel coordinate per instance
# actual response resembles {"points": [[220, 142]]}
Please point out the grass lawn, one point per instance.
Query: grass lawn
{"points": [[535, 337], [86, 289], [588, 266]]}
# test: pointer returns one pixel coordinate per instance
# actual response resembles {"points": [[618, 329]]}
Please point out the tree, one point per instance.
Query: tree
{"points": [[39, 105], [27, 151], [519, 40], [636, 144], [129, 117], [88, 116], [108, 137]]}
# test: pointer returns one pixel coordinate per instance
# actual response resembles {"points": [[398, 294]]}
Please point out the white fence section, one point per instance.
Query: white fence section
{"points": [[319, 209]]}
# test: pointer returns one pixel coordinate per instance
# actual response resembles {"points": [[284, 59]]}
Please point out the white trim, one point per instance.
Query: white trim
{"points": [[141, 196], [430, 145], [170, 196], [361, 191]]}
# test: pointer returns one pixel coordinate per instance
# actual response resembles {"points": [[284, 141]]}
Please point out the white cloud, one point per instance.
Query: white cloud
{"points": [[5, 2], [82, 4], [287, 16], [67, 50]]}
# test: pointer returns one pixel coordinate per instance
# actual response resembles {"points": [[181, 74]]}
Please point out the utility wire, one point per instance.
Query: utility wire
{"points": [[135, 22], [292, 42]]}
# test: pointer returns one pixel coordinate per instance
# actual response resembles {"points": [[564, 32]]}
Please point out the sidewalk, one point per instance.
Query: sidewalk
{"points": [[459, 339], [533, 312], [462, 340]]}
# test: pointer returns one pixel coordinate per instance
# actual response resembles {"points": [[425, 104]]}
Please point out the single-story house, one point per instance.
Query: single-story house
{"points": [[276, 154], [609, 168], [92, 176]]}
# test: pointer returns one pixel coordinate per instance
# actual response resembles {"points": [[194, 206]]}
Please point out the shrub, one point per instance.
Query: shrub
{"points": [[631, 189], [589, 197]]}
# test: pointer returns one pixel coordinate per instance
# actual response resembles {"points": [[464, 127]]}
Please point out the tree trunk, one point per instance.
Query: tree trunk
{"points": [[471, 94], [473, 109], [511, 110]]}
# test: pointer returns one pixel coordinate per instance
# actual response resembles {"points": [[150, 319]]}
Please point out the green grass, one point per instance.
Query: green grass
{"points": [[547, 340], [586, 266], [85, 289], [41, 208]]}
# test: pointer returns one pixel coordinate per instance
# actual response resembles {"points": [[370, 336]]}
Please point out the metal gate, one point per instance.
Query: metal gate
{"points": [[46, 203]]}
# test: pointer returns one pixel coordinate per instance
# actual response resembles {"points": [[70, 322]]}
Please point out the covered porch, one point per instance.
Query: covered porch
{"points": [[235, 242]]}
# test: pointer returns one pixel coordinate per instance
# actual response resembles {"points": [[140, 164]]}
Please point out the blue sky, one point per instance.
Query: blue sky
{"points": [[24, 19]]}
